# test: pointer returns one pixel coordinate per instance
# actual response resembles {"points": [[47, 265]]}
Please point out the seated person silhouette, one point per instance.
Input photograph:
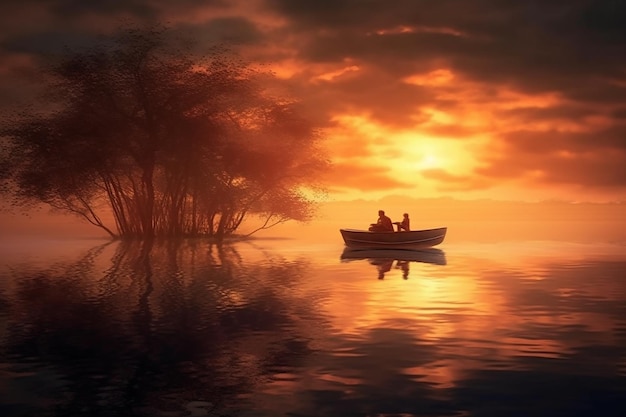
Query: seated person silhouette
{"points": [[405, 224], [383, 224]]}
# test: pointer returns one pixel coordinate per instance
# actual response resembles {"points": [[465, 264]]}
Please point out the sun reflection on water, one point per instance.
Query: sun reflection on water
{"points": [[264, 328]]}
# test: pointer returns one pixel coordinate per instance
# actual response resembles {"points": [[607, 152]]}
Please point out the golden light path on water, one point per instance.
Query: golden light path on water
{"points": [[474, 305], [491, 306], [473, 308]]}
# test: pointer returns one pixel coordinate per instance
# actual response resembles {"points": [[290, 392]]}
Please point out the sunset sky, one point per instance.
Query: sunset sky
{"points": [[517, 100]]}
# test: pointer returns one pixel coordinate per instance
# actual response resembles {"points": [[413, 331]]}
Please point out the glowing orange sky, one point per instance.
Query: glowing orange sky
{"points": [[490, 99]]}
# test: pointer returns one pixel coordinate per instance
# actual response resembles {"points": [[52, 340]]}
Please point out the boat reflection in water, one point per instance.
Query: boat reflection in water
{"points": [[384, 259]]}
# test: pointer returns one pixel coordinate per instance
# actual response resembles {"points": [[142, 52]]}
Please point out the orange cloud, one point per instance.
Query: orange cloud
{"points": [[362, 177], [441, 96]]}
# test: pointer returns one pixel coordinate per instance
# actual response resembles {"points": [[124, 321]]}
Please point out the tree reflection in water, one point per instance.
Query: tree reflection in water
{"points": [[153, 328]]}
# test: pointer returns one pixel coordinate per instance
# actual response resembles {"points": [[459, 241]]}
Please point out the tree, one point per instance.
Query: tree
{"points": [[163, 142]]}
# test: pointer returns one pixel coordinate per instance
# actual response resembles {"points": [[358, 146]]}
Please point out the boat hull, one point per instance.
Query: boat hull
{"points": [[415, 239]]}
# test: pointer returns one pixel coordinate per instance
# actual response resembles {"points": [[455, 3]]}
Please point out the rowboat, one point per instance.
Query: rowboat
{"points": [[426, 255], [414, 239]]}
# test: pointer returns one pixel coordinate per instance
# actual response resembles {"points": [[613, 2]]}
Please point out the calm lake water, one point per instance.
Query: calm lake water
{"points": [[287, 327]]}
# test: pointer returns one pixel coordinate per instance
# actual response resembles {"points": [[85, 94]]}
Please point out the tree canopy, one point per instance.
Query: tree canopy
{"points": [[161, 141]]}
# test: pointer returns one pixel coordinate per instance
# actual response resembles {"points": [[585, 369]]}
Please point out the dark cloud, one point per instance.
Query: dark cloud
{"points": [[77, 7], [570, 50], [330, 14], [50, 42], [560, 112], [389, 101], [613, 138], [229, 30], [540, 46], [596, 159], [619, 113]]}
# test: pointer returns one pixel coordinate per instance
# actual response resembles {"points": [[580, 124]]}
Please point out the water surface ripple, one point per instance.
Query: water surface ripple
{"points": [[193, 329]]}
